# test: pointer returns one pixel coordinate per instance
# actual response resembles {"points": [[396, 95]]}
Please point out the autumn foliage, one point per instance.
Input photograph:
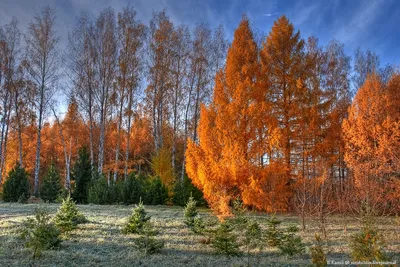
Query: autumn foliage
{"points": [[372, 134], [281, 122]]}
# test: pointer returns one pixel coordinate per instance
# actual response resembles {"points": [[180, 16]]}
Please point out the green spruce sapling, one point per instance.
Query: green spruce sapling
{"points": [[40, 233], [68, 215], [137, 220]]}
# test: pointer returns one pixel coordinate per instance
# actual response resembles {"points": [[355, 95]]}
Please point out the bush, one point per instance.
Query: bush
{"points": [[40, 233], [156, 192], [102, 193], [137, 220], [62, 194], [51, 185], [82, 175], [367, 245], [146, 242], [291, 244], [190, 212], [318, 257], [224, 240], [133, 189], [273, 235], [16, 187], [198, 225], [68, 216], [183, 190], [239, 220], [252, 238]]}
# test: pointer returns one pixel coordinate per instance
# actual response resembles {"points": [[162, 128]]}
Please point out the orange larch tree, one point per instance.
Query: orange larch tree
{"points": [[228, 161], [372, 142]]}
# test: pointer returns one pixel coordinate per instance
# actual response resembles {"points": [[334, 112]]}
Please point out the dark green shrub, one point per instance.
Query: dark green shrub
{"points": [[68, 216], [183, 190], [156, 192], [318, 257], [82, 175], [290, 244], [273, 235], [146, 242], [224, 240], [137, 220], [16, 187], [102, 193], [133, 189], [51, 185], [62, 194], [40, 233]]}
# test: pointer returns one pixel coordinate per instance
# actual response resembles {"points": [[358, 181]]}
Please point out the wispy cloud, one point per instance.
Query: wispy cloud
{"points": [[271, 14]]}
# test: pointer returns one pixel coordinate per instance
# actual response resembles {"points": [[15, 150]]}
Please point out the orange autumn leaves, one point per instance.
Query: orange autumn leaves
{"points": [[372, 136], [274, 124], [228, 161]]}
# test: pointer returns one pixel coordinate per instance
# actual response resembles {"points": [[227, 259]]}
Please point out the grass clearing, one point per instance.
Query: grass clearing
{"points": [[100, 242]]}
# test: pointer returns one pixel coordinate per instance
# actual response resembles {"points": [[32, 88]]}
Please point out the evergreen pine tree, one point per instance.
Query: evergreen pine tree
{"points": [[82, 174], [17, 186], [40, 233], [368, 243], [68, 216], [224, 240], [51, 185], [146, 241], [317, 253], [137, 220], [252, 238], [190, 212], [290, 244], [273, 235]]}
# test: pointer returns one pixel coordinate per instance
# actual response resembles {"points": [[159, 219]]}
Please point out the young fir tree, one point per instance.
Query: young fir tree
{"points": [[40, 233], [146, 241], [290, 244], [190, 212], [273, 235], [192, 218], [368, 243], [51, 185], [82, 174], [318, 257], [68, 216], [252, 238], [137, 220], [16, 187], [224, 240], [239, 219]]}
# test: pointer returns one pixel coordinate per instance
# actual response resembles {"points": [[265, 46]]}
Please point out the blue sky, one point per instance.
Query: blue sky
{"points": [[371, 24]]}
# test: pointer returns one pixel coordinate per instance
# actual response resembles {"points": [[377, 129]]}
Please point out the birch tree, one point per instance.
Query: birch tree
{"points": [[42, 67]]}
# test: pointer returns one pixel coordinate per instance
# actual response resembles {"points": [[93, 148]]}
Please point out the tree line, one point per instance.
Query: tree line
{"points": [[264, 119]]}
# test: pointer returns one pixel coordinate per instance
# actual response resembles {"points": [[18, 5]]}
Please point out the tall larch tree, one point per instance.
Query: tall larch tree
{"points": [[282, 61], [223, 162], [372, 142]]}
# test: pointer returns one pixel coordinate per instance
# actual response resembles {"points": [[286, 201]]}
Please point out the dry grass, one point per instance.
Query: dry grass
{"points": [[100, 242]]}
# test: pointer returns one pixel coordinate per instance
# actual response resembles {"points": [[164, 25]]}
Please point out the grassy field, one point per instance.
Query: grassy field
{"points": [[100, 242]]}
